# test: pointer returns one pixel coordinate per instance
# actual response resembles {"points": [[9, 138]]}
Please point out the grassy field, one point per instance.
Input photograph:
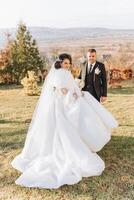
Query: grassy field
{"points": [[115, 183]]}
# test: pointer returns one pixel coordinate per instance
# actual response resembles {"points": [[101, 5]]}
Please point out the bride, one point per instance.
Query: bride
{"points": [[68, 127]]}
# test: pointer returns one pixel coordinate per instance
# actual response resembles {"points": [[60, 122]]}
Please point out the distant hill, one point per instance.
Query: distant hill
{"points": [[52, 35]]}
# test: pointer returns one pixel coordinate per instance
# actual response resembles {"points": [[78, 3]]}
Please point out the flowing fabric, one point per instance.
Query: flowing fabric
{"points": [[64, 135]]}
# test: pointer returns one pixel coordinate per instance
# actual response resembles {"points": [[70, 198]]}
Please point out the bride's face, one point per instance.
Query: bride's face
{"points": [[66, 64]]}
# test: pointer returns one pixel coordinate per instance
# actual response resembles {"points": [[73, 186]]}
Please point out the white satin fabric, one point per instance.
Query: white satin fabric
{"points": [[64, 135]]}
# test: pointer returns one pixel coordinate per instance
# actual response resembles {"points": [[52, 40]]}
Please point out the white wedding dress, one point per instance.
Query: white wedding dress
{"points": [[64, 135]]}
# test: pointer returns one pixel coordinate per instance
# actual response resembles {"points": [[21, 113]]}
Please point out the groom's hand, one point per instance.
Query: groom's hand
{"points": [[103, 99]]}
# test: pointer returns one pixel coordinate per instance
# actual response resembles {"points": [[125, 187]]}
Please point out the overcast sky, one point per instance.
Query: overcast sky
{"points": [[68, 13]]}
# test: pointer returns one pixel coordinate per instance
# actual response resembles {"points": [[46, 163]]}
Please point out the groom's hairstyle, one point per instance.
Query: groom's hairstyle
{"points": [[91, 50]]}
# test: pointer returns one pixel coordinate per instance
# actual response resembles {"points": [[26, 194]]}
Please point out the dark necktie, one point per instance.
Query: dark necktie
{"points": [[90, 69]]}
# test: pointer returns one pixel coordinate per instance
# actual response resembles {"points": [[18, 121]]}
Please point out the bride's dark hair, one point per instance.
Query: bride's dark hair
{"points": [[61, 58]]}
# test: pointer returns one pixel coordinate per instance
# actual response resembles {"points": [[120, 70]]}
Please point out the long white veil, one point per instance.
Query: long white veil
{"points": [[41, 115], [46, 92]]}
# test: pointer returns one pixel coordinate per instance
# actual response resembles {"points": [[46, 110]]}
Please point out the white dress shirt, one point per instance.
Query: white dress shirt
{"points": [[89, 65]]}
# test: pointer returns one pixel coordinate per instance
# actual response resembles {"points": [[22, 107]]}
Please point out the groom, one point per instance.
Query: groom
{"points": [[93, 76]]}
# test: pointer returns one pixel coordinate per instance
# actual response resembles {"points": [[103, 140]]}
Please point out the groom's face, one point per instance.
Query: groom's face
{"points": [[91, 57]]}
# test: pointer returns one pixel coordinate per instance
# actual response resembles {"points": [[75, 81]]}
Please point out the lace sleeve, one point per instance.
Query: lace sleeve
{"points": [[63, 91]]}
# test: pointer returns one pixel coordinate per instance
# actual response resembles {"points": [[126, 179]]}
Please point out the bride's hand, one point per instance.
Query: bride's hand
{"points": [[54, 88], [75, 95], [82, 94]]}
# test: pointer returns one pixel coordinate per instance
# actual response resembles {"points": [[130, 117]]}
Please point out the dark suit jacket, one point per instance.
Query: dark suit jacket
{"points": [[99, 80]]}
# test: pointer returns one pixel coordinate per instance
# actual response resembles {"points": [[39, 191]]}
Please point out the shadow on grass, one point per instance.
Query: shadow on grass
{"points": [[12, 139], [123, 90], [12, 133], [14, 86], [129, 125], [5, 146], [10, 87], [2, 121]]}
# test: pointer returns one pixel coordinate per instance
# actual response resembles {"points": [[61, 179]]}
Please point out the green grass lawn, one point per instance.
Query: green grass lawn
{"points": [[115, 183]]}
